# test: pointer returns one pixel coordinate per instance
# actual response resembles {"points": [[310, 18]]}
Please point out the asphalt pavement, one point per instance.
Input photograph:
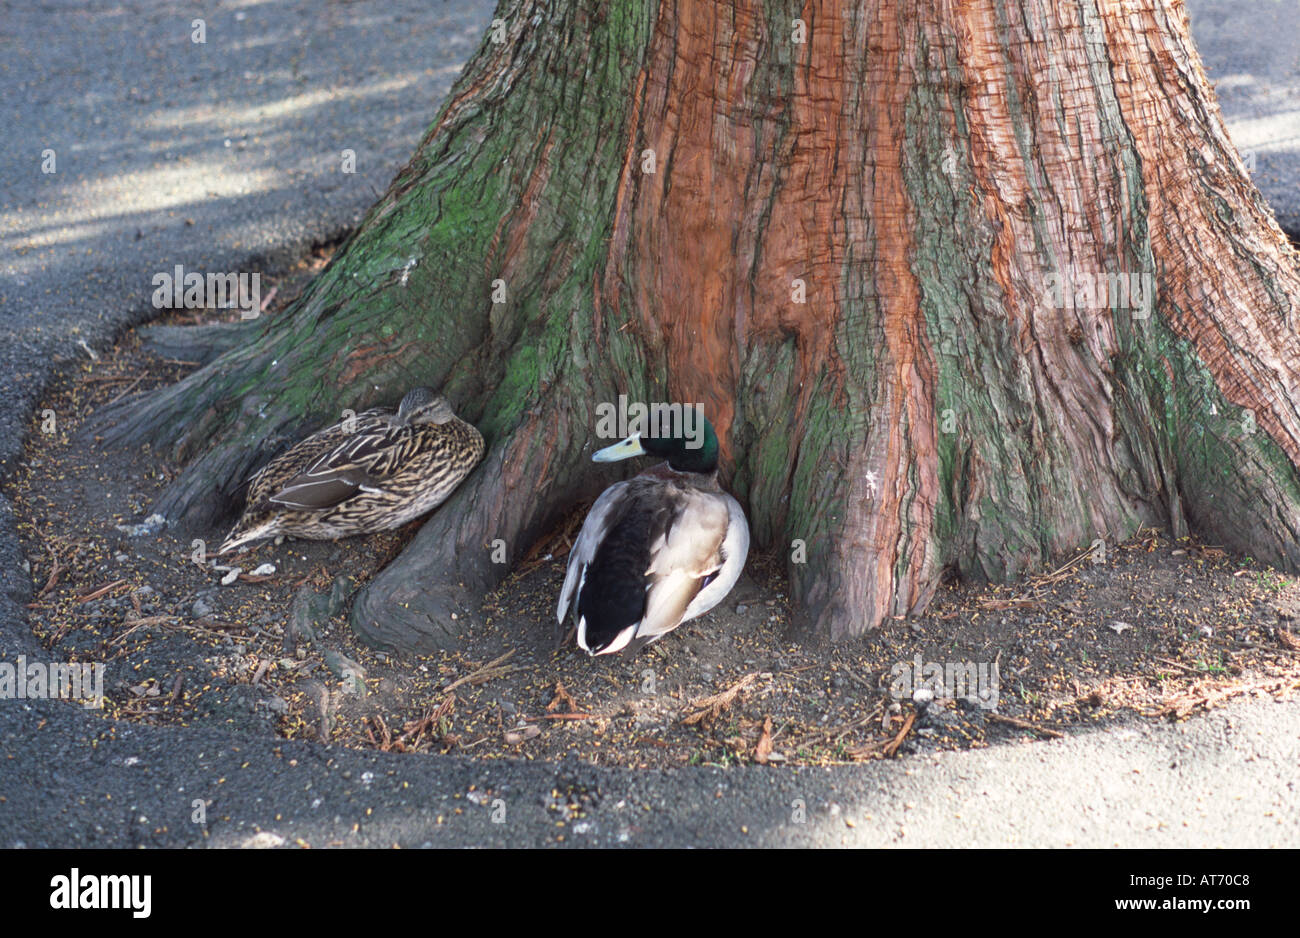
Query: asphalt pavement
{"points": [[227, 155]]}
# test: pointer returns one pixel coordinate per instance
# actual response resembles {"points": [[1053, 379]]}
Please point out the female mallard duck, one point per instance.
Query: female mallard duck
{"points": [[372, 472], [656, 550]]}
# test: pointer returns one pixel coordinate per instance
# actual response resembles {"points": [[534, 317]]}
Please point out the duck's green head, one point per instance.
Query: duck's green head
{"points": [[692, 447]]}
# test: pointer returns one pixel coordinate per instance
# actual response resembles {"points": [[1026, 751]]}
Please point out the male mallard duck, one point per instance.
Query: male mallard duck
{"points": [[656, 550], [372, 472]]}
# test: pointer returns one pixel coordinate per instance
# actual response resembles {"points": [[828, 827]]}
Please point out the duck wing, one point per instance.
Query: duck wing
{"points": [[317, 492], [311, 452], [732, 554], [684, 560], [358, 464], [603, 515]]}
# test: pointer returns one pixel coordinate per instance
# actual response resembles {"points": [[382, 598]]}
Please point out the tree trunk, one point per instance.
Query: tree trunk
{"points": [[881, 241]]}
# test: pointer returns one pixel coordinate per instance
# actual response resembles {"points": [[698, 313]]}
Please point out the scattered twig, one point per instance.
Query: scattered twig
{"points": [[108, 379], [1024, 725], [1178, 665], [55, 573], [216, 626], [129, 389], [1060, 572], [101, 591], [562, 699], [994, 604], [547, 547], [493, 669], [1029, 598], [862, 681], [561, 716], [139, 624], [174, 622], [413, 729], [836, 734], [387, 743], [709, 708], [763, 749], [845, 729], [1204, 698], [892, 746]]}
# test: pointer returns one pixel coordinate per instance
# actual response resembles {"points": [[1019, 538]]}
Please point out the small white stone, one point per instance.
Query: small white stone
{"points": [[231, 576], [265, 569], [263, 840]]}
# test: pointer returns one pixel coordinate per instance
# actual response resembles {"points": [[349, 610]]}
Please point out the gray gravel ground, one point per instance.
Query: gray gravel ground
{"points": [[226, 156]]}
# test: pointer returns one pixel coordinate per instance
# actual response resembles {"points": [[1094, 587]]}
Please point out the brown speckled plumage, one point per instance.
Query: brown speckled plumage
{"points": [[376, 471]]}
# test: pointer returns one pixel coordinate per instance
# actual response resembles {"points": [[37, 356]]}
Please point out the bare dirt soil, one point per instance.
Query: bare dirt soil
{"points": [[1150, 629]]}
